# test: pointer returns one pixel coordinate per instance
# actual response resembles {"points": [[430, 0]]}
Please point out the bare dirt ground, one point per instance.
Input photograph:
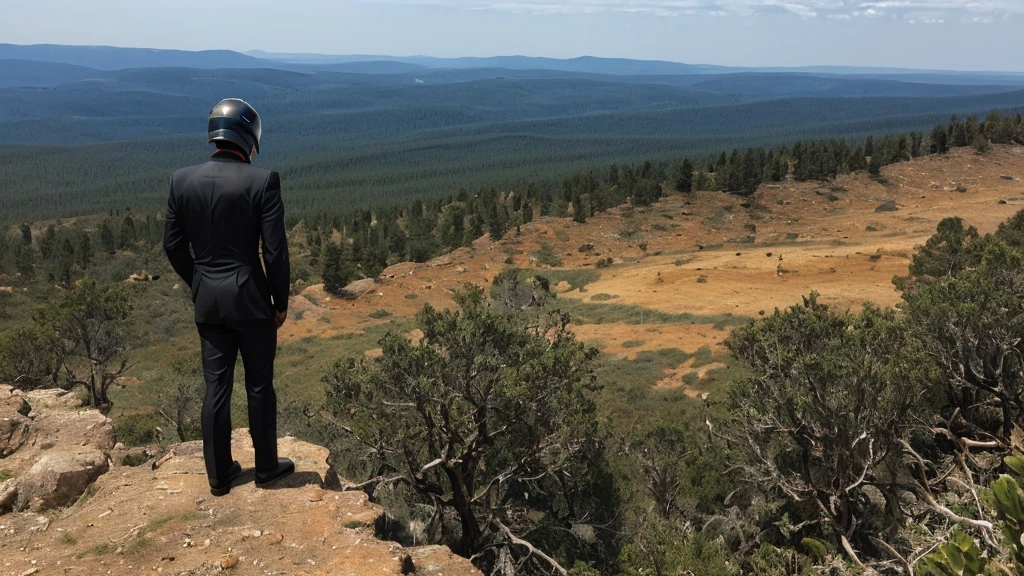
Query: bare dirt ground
{"points": [[709, 254], [135, 520], [758, 253], [627, 341]]}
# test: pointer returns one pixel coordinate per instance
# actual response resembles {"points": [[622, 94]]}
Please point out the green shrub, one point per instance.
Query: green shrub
{"points": [[887, 206], [577, 279], [138, 429], [546, 256], [771, 561], [133, 460], [97, 550]]}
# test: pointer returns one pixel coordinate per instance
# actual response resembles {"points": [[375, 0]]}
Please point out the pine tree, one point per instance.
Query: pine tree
{"points": [[939, 141], [337, 272], [857, 159], [875, 166], [751, 171], [127, 232], [648, 192], [397, 239], [422, 245], [496, 224], [107, 238], [582, 209], [916, 140], [85, 251], [800, 162], [356, 244], [48, 243], [972, 129], [452, 226], [474, 229], [684, 176], [956, 134], [613, 175], [25, 261]]}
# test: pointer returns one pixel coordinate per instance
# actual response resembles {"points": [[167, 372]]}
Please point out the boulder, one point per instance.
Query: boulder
{"points": [[14, 422], [51, 397], [310, 459], [65, 423], [16, 404], [59, 478], [14, 429], [361, 286], [8, 495]]}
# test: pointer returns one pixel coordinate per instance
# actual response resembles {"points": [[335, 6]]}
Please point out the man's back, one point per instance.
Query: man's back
{"points": [[223, 208], [220, 211]]}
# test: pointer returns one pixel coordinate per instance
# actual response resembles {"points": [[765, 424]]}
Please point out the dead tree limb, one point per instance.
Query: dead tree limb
{"points": [[533, 551]]}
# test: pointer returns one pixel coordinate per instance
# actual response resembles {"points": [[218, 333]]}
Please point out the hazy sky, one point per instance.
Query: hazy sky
{"points": [[945, 34]]}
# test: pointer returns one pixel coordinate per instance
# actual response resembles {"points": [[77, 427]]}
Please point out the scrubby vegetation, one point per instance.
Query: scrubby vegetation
{"points": [[877, 440]]}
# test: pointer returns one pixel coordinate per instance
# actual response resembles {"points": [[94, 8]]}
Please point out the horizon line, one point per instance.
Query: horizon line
{"points": [[269, 55]]}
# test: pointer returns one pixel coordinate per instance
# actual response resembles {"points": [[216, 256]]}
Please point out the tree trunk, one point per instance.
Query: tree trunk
{"points": [[94, 397], [461, 500]]}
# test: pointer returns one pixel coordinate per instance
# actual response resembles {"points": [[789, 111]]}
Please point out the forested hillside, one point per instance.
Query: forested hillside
{"points": [[78, 141]]}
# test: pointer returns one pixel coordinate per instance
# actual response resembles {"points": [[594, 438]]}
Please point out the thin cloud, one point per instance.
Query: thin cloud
{"points": [[918, 11]]}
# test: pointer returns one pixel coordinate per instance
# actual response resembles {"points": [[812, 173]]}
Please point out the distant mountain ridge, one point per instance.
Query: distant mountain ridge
{"points": [[613, 66], [116, 58], [582, 64]]}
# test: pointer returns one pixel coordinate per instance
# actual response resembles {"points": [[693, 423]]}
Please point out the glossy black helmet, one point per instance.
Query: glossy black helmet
{"points": [[234, 120]]}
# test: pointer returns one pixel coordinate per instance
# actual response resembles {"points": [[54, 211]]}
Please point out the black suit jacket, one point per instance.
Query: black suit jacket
{"points": [[223, 209]]}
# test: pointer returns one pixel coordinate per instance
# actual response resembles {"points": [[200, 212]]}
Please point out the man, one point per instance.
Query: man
{"points": [[222, 210]]}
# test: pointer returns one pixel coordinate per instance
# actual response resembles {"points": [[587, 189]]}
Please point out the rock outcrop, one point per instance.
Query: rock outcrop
{"points": [[59, 478], [14, 421], [51, 449], [159, 517]]}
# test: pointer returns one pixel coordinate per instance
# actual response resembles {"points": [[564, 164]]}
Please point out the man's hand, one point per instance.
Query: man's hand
{"points": [[280, 317]]}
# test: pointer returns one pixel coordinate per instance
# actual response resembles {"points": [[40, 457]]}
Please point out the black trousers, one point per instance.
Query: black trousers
{"points": [[257, 341]]}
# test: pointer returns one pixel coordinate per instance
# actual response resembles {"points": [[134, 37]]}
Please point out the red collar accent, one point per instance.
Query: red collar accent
{"points": [[242, 156]]}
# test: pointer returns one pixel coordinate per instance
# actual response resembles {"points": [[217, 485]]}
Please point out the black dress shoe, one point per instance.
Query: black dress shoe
{"points": [[284, 468], [224, 487]]}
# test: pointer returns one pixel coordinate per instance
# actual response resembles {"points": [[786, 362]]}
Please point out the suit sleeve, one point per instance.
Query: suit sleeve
{"points": [[275, 243], [176, 243]]}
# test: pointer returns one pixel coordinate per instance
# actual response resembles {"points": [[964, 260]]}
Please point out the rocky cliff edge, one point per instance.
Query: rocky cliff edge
{"points": [[69, 505]]}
